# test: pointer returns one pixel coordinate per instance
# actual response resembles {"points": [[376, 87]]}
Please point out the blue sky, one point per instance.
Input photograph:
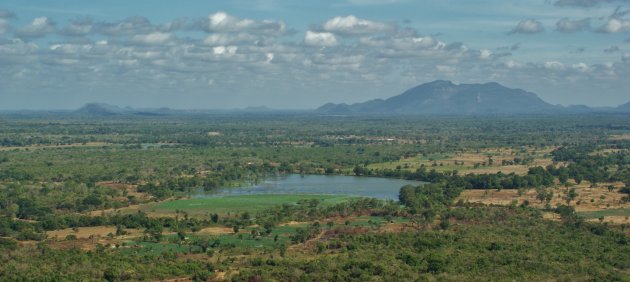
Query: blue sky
{"points": [[302, 54]]}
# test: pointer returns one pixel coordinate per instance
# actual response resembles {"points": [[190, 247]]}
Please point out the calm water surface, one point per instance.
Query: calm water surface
{"points": [[381, 188]]}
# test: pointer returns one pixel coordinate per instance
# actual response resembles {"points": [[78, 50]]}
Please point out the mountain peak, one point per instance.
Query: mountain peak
{"points": [[446, 98]]}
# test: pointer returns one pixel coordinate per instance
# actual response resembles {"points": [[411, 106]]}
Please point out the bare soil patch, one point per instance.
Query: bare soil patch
{"points": [[215, 231], [91, 232]]}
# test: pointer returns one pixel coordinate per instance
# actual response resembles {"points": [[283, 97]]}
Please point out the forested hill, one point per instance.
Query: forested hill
{"points": [[446, 98]]}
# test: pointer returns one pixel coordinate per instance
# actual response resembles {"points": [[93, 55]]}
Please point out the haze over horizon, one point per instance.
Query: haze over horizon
{"points": [[294, 55]]}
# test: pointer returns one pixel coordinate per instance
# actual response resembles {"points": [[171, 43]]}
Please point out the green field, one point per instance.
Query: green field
{"points": [[241, 203]]}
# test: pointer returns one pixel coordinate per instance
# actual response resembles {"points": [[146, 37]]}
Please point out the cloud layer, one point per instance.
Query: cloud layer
{"points": [[243, 60]]}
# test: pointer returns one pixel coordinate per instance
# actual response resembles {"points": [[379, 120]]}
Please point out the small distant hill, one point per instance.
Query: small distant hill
{"points": [[101, 109], [445, 97]]}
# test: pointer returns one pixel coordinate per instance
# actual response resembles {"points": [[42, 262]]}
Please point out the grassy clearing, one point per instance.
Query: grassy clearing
{"points": [[241, 203]]}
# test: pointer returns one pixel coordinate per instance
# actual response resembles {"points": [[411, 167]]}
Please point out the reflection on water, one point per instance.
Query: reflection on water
{"points": [[381, 188]]}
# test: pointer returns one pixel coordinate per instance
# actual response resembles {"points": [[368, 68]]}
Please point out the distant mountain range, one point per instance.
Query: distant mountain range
{"points": [[443, 97], [440, 97], [102, 109]]}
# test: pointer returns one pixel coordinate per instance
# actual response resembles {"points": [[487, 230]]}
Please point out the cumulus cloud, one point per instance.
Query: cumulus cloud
{"points": [[39, 27], [528, 26], [223, 22], [616, 22], [153, 38], [615, 25], [485, 54], [581, 67], [322, 39], [568, 26], [408, 43], [554, 65], [351, 25], [224, 50], [625, 57]]}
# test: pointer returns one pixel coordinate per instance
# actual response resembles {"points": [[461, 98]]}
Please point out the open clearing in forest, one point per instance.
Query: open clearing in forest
{"points": [[591, 203], [237, 204], [476, 162]]}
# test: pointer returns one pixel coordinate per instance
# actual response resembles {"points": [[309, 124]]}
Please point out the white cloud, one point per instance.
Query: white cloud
{"points": [[353, 25], [485, 54], [425, 42], [39, 27], [323, 39], [223, 22], [554, 65], [581, 67], [270, 57], [566, 25], [615, 25], [513, 65], [528, 26], [224, 50], [153, 38]]}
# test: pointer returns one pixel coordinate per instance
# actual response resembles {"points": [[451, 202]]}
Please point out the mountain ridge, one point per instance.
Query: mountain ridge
{"points": [[445, 97]]}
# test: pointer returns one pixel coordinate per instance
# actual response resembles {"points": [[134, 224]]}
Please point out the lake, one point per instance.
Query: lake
{"points": [[381, 188]]}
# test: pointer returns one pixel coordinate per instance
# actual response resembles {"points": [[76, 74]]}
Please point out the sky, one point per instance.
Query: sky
{"points": [[294, 54]]}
